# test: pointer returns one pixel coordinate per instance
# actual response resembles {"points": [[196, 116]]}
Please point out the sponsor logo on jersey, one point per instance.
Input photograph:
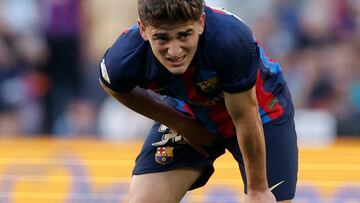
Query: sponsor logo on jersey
{"points": [[208, 85], [104, 72], [164, 155]]}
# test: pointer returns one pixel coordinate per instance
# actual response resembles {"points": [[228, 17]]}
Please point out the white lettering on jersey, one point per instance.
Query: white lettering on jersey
{"points": [[104, 71]]}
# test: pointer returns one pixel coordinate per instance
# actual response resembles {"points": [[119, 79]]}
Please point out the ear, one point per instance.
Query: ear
{"points": [[202, 23], [142, 29]]}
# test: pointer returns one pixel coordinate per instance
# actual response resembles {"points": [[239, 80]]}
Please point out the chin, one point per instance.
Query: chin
{"points": [[178, 70]]}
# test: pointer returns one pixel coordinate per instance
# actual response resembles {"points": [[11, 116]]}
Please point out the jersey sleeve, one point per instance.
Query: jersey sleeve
{"points": [[235, 55], [121, 65]]}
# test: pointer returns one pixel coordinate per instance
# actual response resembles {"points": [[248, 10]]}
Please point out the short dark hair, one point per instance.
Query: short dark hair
{"points": [[157, 12]]}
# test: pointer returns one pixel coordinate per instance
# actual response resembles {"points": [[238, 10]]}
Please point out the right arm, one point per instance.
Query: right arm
{"points": [[140, 101]]}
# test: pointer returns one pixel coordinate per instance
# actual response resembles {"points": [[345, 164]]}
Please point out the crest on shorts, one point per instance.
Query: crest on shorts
{"points": [[164, 155]]}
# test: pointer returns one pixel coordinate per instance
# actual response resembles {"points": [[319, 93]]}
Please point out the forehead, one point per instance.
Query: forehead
{"points": [[172, 27]]}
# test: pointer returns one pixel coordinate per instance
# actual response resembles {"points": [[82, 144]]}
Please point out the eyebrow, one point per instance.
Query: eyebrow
{"points": [[186, 31], [161, 34]]}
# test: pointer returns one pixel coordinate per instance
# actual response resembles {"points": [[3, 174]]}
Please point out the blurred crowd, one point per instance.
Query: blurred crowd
{"points": [[50, 51]]}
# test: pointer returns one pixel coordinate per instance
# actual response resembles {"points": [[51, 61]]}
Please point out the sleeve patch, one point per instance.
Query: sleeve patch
{"points": [[104, 72]]}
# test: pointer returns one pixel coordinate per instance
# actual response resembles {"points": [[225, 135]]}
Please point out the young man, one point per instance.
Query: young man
{"points": [[222, 92]]}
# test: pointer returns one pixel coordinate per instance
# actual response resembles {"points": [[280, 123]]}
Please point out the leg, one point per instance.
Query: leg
{"points": [[163, 187], [164, 174], [282, 157]]}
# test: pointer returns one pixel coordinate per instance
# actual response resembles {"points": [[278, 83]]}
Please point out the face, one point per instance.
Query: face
{"points": [[174, 45]]}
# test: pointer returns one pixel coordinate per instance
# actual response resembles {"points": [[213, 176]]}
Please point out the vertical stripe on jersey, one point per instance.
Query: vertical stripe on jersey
{"points": [[223, 121], [269, 63], [216, 118], [182, 106], [265, 98], [264, 117]]}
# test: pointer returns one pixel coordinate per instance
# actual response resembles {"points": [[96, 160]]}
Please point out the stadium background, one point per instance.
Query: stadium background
{"points": [[64, 140]]}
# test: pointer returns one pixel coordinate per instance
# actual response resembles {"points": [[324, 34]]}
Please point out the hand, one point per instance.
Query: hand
{"points": [[260, 197], [196, 135]]}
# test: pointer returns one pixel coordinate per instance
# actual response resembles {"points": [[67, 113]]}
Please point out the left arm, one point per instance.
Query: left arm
{"points": [[243, 109]]}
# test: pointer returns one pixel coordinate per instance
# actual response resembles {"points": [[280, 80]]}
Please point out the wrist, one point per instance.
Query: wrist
{"points": [[257, 191], [179, 122], [260, 196], [259, 186]]}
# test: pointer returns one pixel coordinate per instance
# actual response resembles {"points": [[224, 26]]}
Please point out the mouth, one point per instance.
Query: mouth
{"points": [[178, 61]]}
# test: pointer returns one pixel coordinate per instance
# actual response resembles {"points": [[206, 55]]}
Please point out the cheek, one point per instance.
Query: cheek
{"points": [[191, 46], [194, 41], [157, 50], [160, 54]]}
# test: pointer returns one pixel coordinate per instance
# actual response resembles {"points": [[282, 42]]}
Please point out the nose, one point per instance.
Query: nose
{"points": [[174, 48]]}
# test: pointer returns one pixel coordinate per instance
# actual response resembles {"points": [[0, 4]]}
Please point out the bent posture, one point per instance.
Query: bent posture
{"points": [[202, 76]]}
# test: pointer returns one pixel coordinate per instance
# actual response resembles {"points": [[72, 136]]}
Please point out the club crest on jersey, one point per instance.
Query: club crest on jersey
{"points": [[208, 85], [164, 155]]}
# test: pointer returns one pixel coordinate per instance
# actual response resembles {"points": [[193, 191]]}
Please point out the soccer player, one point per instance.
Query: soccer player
{"points": [[205, 80]]}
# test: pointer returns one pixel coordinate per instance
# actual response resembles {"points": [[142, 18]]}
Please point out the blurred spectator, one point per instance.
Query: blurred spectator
{"points": [[125, 125], [22, 52], [322, 93], [9, 123], [217, 4], [78, 119], [20, 16], [61, 20], [50, 50], [107, 21]]}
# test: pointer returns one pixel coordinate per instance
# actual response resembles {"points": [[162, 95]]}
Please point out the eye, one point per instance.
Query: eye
{"points": [[161, 39], [184, 36]]}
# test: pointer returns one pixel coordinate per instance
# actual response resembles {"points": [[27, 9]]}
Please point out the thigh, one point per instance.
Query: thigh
{"points": [[168, 187], [153, 159], [282, 157]]}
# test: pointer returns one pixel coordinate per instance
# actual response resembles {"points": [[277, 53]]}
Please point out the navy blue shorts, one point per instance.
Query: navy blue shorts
{"points": [[281, 152]]}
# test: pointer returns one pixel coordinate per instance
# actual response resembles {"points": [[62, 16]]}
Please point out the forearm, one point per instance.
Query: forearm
{"points": [[140, 101], [243, 109], [252, 145]]}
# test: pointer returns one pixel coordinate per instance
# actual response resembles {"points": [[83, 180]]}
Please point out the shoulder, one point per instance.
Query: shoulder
{"points": [[224, 30], [227, 39], [129, 47], [123, 61], [231, 50]]}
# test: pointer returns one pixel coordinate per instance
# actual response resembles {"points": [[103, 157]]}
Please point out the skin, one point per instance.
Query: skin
{"points": [[243, 109], [174, 45]]}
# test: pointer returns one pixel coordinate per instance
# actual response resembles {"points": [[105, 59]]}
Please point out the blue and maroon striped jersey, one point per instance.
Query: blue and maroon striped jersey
{"points": [[228, 58]]}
